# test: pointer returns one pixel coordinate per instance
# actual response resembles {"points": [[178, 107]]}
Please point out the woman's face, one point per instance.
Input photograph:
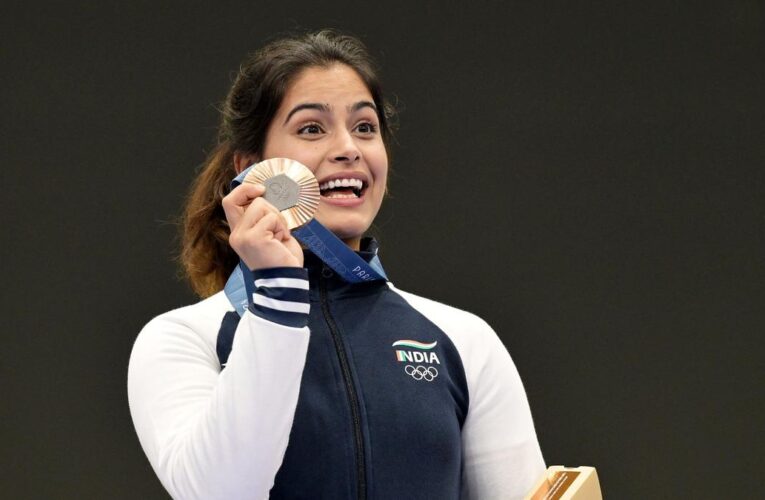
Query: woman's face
{"points": [[328, 122]]}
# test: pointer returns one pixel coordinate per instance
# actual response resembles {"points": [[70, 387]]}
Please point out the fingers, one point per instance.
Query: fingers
{"points": [[260, 221], [267, 242], [272, 224], [257, 210], [259, 232], [237, 201]]}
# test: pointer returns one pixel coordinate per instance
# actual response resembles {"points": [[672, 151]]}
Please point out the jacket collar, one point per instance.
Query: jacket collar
{"points": [[323, 279]]}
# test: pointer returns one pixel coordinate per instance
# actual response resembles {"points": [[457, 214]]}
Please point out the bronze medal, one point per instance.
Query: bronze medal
{"points": [[290, 186]]}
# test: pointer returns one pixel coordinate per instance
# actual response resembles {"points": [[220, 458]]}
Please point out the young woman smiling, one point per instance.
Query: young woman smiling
{"points": [[322, 388]]}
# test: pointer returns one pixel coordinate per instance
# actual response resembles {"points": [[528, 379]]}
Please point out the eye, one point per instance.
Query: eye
{"points": [[366, 128], [310, 129]]}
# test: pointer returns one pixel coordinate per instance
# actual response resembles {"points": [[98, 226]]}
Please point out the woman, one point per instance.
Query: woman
{"points": [[322, 389]]}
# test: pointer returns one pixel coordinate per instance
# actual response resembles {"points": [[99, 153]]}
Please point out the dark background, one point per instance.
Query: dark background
{"points": [[588, 179]]}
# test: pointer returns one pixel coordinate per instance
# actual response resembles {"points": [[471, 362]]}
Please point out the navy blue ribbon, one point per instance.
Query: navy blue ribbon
{"points": [[319, 240]]}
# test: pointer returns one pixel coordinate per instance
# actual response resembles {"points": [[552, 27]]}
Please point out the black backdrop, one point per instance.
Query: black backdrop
{"points": [[586, 178]]}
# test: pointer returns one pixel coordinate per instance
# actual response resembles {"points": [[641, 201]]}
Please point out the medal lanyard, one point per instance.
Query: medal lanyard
{"points": [[319, 240]]}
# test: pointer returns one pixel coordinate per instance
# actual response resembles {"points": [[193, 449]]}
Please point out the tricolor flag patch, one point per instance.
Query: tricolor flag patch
{"points": [[415, 344]]}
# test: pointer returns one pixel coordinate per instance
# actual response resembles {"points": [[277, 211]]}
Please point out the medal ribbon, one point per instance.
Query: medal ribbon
{"points": [[319, 240]]}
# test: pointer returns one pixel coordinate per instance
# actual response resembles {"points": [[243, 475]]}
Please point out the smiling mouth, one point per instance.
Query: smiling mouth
{"points": [[342, 188]]}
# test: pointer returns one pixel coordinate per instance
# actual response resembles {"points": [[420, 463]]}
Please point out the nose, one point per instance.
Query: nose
{"points": [[344, 149]]}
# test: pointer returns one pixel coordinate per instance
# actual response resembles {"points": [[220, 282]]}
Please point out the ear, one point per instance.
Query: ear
{"points": [[243, 160]]}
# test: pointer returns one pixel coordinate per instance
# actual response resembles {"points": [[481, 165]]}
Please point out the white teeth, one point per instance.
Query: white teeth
{"points": [[340, 195], [352, 183]]}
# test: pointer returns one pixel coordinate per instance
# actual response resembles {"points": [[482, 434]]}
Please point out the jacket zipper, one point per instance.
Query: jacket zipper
{"points": [[350, 390]]}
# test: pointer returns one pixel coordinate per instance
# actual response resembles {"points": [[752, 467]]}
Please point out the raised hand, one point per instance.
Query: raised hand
{"points": [[259, 233]]}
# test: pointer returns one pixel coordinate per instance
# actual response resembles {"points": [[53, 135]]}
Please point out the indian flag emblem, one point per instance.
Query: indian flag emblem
{"points": [[414, 344], [415, 352]]}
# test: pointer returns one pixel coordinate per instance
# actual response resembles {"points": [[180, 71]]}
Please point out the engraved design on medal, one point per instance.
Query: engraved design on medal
{"points": [[290, 186], [282, 192]]}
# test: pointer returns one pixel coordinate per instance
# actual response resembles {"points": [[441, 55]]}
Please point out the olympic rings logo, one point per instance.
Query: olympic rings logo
{"points": [[420, 372]]}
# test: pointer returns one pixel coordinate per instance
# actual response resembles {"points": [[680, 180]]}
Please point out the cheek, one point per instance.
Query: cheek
{"points": [[307, 154], [378, 164], [381, 184], [280, 146]]}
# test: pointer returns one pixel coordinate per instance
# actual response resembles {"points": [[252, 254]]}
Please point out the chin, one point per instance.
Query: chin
{"points": [[346, 233], [345, 229], [348, 224]]}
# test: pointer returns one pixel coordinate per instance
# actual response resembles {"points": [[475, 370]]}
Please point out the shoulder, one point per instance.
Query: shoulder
{"points": [[480, 349], [195, 315], [478, 345], [437, 310], [194, 327], [462, 327]]}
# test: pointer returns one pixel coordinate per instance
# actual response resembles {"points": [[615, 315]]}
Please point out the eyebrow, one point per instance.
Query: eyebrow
{"points": [[324, 108], [307, 105], [362, 104]]}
